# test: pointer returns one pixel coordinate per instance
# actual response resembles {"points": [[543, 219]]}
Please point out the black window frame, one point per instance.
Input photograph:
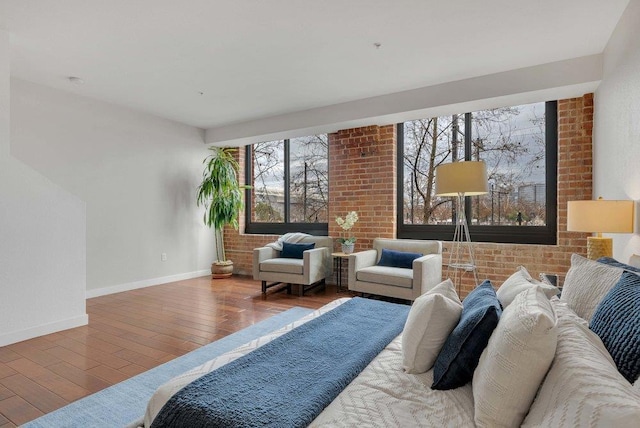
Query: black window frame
{"points": [[544, 235], [317, 229]]}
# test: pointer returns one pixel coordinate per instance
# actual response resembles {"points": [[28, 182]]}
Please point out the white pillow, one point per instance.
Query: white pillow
{"points": [[586, 284], [583, 387], [431, 318], [515, 361], [517, 283]]}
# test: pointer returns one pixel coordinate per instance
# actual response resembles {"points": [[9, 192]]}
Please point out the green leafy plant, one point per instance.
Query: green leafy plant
{"points": [[220, 194]]}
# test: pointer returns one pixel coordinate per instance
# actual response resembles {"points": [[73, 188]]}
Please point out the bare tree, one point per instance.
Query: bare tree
{"points": [[308, 180], [268, 178], [511, 146]]}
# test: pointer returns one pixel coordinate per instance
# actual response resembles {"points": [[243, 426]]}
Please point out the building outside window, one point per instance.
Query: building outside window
{"points": [[519, 146], [290, 182]]}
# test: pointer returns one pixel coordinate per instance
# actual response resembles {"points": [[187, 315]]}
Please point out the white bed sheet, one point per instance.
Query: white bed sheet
{"points": [[382, 395]]}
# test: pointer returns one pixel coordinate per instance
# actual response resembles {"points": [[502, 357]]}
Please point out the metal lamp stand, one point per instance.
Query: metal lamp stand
{"points": [[461, 239]]}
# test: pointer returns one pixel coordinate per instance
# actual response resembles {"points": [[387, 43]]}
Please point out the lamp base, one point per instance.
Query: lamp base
{"points": [[599, 247]]}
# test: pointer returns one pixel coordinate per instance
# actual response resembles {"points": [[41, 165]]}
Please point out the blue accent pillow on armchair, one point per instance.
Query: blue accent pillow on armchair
{"points": [[295, 251], [617, 322], [461, 352], [400, 259]]}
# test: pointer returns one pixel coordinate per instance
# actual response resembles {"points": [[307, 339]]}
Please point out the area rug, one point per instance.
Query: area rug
{"points": [[121, 404]]}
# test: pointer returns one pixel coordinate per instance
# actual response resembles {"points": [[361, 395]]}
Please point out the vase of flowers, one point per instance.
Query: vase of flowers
{"points": [[348, 242]]}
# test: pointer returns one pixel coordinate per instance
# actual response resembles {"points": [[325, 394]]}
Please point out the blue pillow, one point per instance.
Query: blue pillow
{"points": [[400, 259], [613, 262], [461, 352], [617, 322], [294, 251]]}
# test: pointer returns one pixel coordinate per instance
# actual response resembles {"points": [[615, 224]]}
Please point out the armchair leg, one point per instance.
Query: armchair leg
{"points": [[266, 286], [322, 283]]}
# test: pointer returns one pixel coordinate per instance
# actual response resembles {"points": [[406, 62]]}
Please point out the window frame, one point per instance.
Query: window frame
{"points": [[317, 229], [544, 235]]}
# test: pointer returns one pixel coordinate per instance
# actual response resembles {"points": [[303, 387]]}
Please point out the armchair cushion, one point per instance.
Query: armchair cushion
{"points": [[399, 259], [295, 251], [398, 277], [295, 266]]}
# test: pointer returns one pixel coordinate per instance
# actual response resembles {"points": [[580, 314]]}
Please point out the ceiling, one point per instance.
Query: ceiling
{"points": [[213, 63]]}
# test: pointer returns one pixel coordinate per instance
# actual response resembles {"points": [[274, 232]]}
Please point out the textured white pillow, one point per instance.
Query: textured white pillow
{"points": [[431, 318], [517, 283], [515, 361], [583, 387], [586, 284]]}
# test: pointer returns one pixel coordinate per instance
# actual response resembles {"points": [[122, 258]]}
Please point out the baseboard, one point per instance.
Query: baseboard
{"points": [[41, 330], [145, 283]]}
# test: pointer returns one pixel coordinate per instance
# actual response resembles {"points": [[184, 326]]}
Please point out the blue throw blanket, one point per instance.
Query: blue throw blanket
{"points": [[290, 380]]}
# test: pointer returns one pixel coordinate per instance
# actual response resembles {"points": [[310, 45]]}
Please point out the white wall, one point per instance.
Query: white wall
{"points": [[137, 173], [42, 241], [617, 124]]}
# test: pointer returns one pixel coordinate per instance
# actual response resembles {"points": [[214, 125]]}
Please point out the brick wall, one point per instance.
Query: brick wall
{"points": [[362, 177]]}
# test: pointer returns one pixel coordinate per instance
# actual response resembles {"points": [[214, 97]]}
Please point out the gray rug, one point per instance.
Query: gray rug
{"points": [[121, 404]]}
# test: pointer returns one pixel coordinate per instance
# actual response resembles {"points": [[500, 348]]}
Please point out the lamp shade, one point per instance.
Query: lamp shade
{"points": [[468, 178], [600, 216]]}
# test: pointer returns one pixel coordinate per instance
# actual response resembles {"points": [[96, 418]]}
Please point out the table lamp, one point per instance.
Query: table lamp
{"points": [[600, 216], [460, 179]]}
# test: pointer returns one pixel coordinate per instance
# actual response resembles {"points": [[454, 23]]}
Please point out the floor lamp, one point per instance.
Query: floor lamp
{"points": [[600, 216], [461, 179]]}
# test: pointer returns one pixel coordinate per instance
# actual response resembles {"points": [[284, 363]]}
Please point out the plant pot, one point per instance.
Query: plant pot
{"points": [[347, 248], [221, 270]]}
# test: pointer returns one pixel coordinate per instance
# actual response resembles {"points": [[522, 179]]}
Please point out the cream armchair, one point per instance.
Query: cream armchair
{"points": [[309, 272], [365, 276]]}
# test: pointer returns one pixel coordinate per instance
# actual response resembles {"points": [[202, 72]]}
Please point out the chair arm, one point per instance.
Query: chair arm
{"points": [[315, 263], [427, 272], [259, 255], [359, 261]]}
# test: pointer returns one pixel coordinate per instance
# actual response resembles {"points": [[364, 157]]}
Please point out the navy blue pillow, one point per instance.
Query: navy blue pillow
{"points": [[613, 262], [617, 322], [461, 352], [400, 259], [294, 251]]}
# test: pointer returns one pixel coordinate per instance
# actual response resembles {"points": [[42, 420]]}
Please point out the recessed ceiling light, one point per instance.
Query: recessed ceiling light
{"points": [[75, 80]]}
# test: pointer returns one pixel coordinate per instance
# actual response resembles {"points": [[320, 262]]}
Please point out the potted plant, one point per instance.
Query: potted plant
{"points": [[221, 195], [348, 242]]}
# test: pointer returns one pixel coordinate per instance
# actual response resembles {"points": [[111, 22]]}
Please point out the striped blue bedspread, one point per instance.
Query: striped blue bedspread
{"points": [[290, 380]]}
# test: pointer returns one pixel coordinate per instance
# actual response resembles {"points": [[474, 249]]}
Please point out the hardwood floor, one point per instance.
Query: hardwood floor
{"points": [[129, 333]]}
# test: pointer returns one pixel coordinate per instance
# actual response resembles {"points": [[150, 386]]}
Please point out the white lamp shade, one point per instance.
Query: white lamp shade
{"points": [[468, 178], [600, 216]]}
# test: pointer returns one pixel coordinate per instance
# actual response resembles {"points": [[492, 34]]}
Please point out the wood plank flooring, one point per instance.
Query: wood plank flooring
{"points": [[129, 333]]}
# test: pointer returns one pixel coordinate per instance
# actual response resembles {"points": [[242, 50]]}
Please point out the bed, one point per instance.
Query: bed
{"points": [[580, 386]]}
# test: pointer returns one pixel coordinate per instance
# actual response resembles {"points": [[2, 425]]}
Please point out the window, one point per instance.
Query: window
{"points": [[290, 183], [519, 146]]}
